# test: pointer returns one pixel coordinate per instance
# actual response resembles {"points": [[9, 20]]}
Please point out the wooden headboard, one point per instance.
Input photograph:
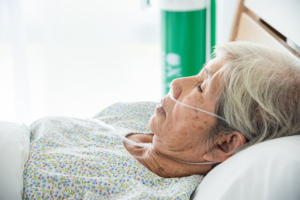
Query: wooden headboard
{"points": [[250, 27]]}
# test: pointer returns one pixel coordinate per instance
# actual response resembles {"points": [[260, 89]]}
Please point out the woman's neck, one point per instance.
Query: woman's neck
{"points": [[156, 162]]}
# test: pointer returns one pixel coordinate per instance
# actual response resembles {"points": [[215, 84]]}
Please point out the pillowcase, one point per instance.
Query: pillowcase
{"points": [[269, 170], [14, 152]]}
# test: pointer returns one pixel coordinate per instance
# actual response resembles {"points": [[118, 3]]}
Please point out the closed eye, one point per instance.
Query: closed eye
{"points": [[200, 88]]}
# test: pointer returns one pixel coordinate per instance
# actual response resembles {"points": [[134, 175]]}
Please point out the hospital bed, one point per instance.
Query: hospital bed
{"points": [[269, 170]]}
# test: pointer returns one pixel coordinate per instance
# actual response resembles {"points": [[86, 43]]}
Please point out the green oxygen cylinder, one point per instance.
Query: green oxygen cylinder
{"points": [[183, 25]]}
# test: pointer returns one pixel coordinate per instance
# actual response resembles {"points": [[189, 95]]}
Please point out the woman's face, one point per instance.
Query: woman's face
{"points": [[178, 130]]}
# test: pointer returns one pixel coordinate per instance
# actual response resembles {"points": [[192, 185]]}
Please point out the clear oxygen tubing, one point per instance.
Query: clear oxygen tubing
{"points": [[109, 127], [171, 96], [144, 145]]}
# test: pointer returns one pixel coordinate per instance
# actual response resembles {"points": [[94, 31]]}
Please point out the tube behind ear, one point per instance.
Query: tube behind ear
{"points": [[224, 147]]}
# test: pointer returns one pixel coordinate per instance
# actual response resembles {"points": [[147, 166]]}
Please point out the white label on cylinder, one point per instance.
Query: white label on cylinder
{"points": [[173, 59]]}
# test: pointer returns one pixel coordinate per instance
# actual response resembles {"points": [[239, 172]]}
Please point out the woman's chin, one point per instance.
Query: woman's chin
{"points": [[155, 124], [151, 122]]}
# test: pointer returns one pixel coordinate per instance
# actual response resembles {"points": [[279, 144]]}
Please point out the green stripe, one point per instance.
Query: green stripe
{"points": [[212, 25]]}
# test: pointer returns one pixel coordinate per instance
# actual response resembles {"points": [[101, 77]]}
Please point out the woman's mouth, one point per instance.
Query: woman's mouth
{"points": [[161, 109]]}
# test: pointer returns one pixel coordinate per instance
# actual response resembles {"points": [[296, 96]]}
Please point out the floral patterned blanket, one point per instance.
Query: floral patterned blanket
{"points": [[78, 159]]}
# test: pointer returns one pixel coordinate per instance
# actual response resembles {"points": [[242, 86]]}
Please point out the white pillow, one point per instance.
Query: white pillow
{"points": [[14, 151], [269, 170]]}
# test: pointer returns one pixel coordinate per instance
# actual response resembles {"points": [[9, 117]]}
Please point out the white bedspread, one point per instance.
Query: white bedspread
{"points": [[14, 148]]}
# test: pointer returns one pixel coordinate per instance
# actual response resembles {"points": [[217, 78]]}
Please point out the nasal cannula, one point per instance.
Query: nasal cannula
{"points": [[149, 145], [144, 145]]}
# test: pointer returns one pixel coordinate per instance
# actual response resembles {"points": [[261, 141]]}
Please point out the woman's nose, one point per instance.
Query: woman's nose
{"points": [[176, 87]]}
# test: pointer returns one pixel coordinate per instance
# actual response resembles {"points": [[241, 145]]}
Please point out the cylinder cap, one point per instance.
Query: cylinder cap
{"points": [[182, 5]]}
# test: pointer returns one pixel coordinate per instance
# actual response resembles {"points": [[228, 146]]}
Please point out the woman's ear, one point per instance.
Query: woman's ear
{"points": [[224, 147]]}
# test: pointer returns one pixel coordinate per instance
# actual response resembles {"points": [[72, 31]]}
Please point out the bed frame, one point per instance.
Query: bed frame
{"points": [[250, 27]]}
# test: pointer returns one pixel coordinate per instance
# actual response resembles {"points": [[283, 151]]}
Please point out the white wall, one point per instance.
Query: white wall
{"points": [[73, 57], [225, 15]]}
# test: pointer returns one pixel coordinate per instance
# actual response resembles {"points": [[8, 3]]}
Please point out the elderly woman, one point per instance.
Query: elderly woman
{"points": [[246, 95]]}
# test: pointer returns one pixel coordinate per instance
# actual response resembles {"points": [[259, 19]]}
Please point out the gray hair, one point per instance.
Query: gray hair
{"points": [[260, 95]]}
